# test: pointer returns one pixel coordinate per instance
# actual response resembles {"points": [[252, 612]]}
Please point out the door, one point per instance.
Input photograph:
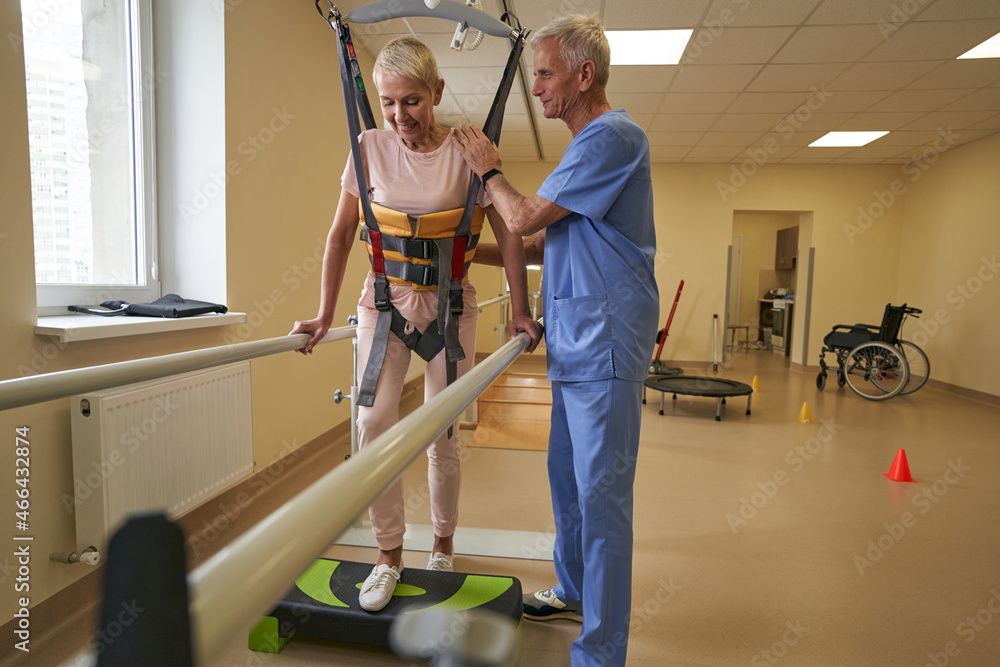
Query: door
{"points": [[736, 280]]}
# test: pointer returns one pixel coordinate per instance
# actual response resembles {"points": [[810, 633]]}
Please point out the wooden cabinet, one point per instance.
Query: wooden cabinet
{"points": [[787, 248]]}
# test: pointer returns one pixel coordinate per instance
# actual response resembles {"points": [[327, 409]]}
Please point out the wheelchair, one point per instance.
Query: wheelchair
{"points": [[874, 361]]}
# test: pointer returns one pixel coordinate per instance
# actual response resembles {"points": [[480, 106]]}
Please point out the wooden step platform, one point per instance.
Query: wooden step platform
{"points": [[515, 413]]}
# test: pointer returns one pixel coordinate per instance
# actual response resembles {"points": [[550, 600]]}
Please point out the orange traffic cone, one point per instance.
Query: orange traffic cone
{"points": [[900, 470], [755, 385], [804, 416]]}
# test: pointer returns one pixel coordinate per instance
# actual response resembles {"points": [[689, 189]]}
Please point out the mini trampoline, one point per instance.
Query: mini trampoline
{"points": [[709, 387]]}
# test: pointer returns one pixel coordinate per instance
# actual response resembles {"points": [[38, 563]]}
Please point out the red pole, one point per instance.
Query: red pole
{"points": [[670, 318]]}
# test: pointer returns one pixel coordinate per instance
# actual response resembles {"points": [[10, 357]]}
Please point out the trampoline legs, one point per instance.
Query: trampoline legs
{"points": [[749, 397], [718, 408], [661, 402]]}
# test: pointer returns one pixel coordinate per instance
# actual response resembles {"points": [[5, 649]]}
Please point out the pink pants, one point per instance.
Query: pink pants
{"points": [[444, 472]]}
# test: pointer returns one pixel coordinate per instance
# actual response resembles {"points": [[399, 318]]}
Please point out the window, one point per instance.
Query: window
{"points": [[89, 76]]}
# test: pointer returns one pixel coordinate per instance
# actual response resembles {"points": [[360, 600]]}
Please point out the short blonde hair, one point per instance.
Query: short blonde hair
{"points": [[580, 38], [408, 57]]}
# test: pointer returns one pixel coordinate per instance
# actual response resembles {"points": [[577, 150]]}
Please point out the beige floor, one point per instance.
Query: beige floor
{"points": [[836, 565]]}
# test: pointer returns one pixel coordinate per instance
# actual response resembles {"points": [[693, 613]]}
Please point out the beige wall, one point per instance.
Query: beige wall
{"points": [[282, 60], [948, 266], [694, 226]]}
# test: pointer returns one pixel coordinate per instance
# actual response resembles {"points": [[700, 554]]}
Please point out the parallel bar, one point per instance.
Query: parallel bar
{"points": [[231, 590], [19, 392], [447, 10], [26, 391], [490, 302]]}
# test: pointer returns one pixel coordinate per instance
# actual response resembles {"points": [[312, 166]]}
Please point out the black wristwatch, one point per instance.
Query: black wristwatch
{"points": [[490, 174]]}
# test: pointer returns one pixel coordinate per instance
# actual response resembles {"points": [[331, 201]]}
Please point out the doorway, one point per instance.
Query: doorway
{"points": [[769, 259]]}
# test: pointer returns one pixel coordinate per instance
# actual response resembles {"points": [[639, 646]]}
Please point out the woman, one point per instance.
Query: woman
{"points": [[416, 169]]}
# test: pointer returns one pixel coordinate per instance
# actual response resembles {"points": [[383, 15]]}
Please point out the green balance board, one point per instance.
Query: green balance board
{"points": [[324, 603]]}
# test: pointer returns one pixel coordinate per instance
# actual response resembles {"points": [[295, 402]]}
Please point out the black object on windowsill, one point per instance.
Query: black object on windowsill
{"points": [[170, 305]]}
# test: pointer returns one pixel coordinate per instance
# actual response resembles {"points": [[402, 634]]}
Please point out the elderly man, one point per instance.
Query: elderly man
{"points": [[601, 310]]}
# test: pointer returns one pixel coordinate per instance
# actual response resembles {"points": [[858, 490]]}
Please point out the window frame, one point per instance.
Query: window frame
{"points": [[53, 299]]}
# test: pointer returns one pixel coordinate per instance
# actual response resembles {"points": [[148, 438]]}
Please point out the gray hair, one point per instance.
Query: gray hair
{"points": [[408, 57], [580, 38]]}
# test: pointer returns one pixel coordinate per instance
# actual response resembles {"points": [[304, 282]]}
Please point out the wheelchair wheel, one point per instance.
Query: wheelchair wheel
{"points": [[821, 380], [876, 371], [841, 380], [920, 366]]}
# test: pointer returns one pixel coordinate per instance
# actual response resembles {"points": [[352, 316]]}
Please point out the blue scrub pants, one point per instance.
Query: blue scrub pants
{"points": [[593, 446]]}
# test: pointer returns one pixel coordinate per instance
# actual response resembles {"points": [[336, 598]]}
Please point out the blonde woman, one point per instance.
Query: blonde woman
{"points": [[412, 170]]}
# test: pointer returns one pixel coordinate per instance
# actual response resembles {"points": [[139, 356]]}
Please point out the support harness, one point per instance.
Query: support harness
{"points": [[427, 252]]}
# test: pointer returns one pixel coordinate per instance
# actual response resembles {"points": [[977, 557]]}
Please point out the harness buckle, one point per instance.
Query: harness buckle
{"points": [[427, 278], [382, 293], [456, 300]]}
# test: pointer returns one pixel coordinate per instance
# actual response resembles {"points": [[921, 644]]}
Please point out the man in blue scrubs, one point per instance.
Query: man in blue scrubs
{"points": [[601, 312]]}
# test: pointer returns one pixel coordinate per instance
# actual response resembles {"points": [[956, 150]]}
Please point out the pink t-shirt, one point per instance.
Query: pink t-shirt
{"points": [[416, 183], [405, 180]]}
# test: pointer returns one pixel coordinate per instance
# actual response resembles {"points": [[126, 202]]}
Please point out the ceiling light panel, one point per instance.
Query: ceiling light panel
{"points": [[647, 47], [847, 139]]}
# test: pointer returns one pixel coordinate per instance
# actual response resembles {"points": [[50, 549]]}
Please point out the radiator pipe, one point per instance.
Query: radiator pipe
{"points": [[89, 556]]}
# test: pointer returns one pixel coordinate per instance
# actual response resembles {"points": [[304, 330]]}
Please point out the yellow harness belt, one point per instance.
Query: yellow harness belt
{"points": [[409, 252]]}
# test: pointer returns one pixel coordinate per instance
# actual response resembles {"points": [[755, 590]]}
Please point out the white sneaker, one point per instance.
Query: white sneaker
{"points": [[378, 587], [440, 562]]}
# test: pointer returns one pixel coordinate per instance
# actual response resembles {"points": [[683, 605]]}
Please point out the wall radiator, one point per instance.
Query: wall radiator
{"points": [[162, 445]]}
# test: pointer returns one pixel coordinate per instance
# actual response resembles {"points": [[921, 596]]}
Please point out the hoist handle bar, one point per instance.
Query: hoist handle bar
{"points": [[449, 10]]}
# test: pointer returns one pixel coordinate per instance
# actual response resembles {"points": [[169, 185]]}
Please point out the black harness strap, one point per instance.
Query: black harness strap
{"points": [[412, 248], [450, 304], [352, 91]]}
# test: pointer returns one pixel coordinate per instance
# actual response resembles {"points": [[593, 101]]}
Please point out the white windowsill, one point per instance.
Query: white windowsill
{"points": [[71, 328]]}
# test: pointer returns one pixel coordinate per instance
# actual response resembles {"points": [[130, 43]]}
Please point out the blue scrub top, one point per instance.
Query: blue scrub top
{"points": [[601, 301]]}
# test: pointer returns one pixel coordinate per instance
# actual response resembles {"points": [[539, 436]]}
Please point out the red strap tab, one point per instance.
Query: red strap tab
{"points": [[378, 261], [458, 258]]}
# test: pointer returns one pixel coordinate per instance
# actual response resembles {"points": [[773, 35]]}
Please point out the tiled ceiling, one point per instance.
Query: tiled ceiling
{"points": [[771, 75]]}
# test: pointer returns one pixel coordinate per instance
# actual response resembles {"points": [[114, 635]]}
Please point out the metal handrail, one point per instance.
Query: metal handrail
{"points": [[61, 384], [19, 392], [231, 590], [496, 299]]}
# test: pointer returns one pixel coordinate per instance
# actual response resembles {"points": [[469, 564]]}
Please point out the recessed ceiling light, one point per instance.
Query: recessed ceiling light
{"points": [[847, 139], [647, 47], [988, 49]]}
